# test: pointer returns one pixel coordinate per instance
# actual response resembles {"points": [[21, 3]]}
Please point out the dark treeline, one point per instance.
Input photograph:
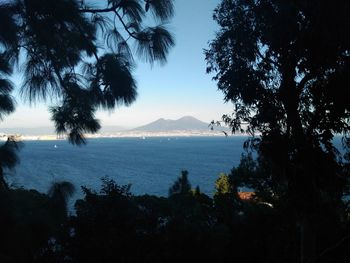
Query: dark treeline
{"points": [[114, 225]]}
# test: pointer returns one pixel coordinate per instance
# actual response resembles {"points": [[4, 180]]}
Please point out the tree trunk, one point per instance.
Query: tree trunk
{"points": [[307, 240], [3, 184], [300, 178]]}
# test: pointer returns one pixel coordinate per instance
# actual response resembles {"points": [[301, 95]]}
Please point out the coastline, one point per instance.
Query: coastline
{"points": [[128, 134]]}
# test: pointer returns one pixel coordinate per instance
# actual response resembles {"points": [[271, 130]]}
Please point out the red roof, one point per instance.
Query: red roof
{"points": [[246, 196]]}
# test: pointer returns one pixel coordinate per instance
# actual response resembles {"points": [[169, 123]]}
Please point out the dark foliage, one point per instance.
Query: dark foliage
{"points": [[78, 55], [117, 226], [285, 66], [28, 222], [8, 158]]}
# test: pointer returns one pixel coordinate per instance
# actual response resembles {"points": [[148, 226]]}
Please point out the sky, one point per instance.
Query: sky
{"points": [[179, 88]]}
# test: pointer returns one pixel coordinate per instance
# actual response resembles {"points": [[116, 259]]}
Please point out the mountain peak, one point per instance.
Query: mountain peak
{"points": [[190, 118], [186, 123]]}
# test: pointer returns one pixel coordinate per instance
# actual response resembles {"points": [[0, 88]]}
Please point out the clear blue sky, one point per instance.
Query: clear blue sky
{"points": [[180, 87]]}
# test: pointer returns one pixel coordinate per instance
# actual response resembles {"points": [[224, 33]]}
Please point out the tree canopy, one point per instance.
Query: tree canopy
{"points": [[79, 54], [285, 66]]}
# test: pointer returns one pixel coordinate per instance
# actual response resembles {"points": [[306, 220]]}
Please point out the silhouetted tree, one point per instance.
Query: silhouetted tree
{"points": [[227, 203], [8, 38], [285, 66], [8, 158], [114, 224], [6, 101], [29, 222], [182, 186], [59, 193], [77, 53], [111, 223]]}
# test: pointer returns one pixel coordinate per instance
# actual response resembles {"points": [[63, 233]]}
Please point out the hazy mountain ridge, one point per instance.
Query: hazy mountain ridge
{"points": [[187, 123], [185, 126]]}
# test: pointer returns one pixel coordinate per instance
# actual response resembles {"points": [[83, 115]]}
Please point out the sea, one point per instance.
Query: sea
{"points": [[151, 165]]}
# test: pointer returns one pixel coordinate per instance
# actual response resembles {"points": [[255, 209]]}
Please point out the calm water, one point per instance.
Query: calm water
{"points": [[150, 165]]}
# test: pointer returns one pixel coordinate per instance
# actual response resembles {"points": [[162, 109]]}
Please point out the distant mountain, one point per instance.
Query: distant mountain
{"points": [[187, 123], [184, 124]]}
